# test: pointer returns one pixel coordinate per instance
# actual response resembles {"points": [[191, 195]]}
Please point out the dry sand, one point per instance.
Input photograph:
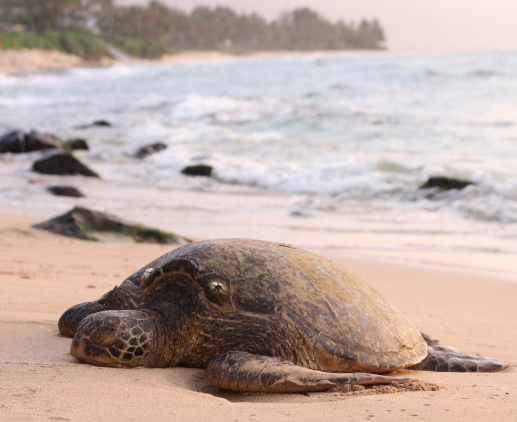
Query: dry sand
{"points": [[43, 274], [17, 60], [31, 60]]}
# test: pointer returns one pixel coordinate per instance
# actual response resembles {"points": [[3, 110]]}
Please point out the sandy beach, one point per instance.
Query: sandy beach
{"points": [[43, 274], [31, 60], [448, 263], [23, 60]]}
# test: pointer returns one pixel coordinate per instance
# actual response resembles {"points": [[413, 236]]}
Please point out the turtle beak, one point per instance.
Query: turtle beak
{"points": [[70, 320]]}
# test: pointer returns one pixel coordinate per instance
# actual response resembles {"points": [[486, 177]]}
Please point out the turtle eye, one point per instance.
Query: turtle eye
{"points": [[217, 288]]}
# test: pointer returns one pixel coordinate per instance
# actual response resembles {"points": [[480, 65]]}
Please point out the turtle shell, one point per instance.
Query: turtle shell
{"points": [[346, 325]]}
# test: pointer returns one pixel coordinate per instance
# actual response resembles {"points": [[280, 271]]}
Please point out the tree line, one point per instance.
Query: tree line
{"points": [[155, 29]]}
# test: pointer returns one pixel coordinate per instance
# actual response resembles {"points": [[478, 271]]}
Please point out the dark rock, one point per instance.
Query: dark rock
{"points": [[65, 191], [62, 164], [198, 170], [101, 123], [445, 183], [19, 142], [13, 142], [86, 224], [149, 149], [75, 144], [36, 141]]}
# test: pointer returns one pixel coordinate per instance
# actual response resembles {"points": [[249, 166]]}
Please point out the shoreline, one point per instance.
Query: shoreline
{"points": [[201, 208], [472, 312], [24, 222], [16, 61]]}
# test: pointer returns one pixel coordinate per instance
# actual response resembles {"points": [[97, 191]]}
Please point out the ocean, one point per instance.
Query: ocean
{"points": [[335, 145]]}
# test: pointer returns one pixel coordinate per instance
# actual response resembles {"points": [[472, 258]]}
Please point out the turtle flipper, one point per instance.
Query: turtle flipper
{"points": [[123, 297], [241, 371], [115, 338], [442, 358]]}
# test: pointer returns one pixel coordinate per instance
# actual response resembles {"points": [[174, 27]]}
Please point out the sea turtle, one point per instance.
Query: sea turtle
{"points": [[260, 316]]}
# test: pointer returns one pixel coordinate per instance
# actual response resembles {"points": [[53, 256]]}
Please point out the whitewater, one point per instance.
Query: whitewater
{"points": [[332, 143]]}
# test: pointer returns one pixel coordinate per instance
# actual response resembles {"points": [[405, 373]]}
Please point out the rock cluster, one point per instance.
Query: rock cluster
{"points": [[18, 142]]}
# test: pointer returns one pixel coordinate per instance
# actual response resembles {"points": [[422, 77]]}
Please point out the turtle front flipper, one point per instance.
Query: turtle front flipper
{"points": [[241, 371], [71, 318], [123, 297], [115, 338], [442, 358]]}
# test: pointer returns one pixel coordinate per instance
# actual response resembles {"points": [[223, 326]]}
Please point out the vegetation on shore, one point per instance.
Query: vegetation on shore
{"points": [[78, 41], [84, 27]]}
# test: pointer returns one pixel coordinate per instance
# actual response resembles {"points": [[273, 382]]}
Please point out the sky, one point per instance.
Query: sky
{"points": [[410, 25]]}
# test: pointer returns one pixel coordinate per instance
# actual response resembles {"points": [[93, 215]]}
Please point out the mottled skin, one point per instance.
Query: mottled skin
{"points": [[260, 316]]}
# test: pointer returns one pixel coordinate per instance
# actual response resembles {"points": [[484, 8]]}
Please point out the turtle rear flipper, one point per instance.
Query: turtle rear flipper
{"points": [[442, 358], [241, 371]]}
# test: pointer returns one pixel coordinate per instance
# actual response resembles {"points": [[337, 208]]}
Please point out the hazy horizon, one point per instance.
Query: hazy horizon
{"points": [[432, 25]]}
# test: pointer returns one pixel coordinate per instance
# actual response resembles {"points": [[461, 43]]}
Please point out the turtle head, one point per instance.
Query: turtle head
{"points": [[116, 338], [157, 334]]}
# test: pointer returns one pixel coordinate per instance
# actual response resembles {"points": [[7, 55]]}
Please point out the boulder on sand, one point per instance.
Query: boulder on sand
{"points": [[65, 191], [62, 164], [18, 142], [87, 224]]}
